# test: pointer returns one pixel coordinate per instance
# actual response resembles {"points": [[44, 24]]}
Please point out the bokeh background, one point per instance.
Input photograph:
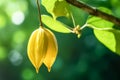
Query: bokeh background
{"points": [[78, 59]]}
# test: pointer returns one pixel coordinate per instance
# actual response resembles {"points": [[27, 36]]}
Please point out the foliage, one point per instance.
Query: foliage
{"points": [[99, 23], [110, 38], [56, 7], [55, 25], [92, 22]]}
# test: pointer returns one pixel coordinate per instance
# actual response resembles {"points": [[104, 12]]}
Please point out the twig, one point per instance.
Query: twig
{"points": [[95, 12]]}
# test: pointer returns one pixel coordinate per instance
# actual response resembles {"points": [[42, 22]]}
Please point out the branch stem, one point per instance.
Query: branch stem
{"points": [[95, 12]]}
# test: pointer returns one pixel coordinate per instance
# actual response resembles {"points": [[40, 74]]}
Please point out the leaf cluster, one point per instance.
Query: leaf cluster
{"points": [[104, 30]]}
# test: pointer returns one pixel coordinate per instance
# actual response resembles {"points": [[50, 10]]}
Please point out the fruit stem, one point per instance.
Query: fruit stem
{"points": [[39, 14]]}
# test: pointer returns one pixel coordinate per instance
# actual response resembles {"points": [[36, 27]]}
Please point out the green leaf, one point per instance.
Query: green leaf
{"points": [[56, 7], [110, 38], [55, 25], [99, 23]]}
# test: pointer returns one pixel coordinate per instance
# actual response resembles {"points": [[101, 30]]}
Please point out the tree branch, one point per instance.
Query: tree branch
{"points": [[95, 12]]}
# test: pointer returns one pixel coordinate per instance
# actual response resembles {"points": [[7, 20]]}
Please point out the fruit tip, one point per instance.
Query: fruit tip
{"points": [[49, 69], [37, 70]]}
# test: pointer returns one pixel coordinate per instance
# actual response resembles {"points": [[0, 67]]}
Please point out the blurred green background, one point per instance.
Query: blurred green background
{"points": [[78, 59]]}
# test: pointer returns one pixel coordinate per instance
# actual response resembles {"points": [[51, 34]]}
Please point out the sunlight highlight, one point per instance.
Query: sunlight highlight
{"points": [[15, 58], [18, 17]]}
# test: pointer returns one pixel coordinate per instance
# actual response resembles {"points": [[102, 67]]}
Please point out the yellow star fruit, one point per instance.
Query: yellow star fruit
{"points": [[42, 48], [51, 51]]}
